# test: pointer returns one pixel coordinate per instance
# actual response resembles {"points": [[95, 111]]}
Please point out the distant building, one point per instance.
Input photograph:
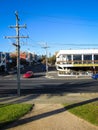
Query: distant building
{"points": [[4, 58], [23, 55], [69, 62], [28, 56]]}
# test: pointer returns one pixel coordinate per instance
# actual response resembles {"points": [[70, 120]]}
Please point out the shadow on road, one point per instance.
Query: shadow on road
{"points": [[53, 89], [17, 99]]}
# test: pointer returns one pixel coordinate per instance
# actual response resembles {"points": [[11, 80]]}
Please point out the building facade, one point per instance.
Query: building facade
{"points": [[69, 62]]}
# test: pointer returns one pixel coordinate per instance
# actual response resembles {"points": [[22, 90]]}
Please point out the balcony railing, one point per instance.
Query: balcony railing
{"points": [[78, 62]]}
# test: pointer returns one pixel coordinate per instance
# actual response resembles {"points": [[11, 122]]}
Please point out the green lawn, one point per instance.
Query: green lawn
{"points": [[88, 112], [9, 113]]}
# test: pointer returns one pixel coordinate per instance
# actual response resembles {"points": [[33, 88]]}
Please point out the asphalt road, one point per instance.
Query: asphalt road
{"points": [[41, 85]]}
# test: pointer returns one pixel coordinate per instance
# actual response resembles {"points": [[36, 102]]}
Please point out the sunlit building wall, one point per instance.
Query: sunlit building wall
{"points": [[68, 60]]}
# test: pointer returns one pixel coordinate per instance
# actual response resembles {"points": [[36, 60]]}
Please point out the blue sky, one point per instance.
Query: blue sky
{"points": [[62, 24]]}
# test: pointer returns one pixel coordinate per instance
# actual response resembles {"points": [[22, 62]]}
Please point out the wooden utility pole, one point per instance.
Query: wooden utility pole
{"points": [[45, 47], [17, 37]]}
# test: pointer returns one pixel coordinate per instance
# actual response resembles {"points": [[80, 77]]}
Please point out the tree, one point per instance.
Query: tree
{"points": [[52, 60]]}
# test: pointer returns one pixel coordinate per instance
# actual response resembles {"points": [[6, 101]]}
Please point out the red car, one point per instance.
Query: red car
{"points": [[28, 74]]}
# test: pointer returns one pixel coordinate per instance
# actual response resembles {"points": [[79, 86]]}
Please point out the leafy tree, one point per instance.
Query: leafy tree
{"points": [[52, 60]]}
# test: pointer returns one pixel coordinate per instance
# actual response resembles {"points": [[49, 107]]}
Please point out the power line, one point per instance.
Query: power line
{"points": [[61, 19]]}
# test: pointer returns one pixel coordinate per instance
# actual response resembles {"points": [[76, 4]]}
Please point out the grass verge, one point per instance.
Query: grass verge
{"points": [[88, 112], [12, 112]]}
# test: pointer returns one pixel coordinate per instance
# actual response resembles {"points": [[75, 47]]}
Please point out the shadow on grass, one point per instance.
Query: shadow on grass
{"points": [[80, 103], [50, 113]]}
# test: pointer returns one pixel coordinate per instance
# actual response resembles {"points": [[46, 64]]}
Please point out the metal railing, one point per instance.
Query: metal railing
{"points": [[78, 62]]}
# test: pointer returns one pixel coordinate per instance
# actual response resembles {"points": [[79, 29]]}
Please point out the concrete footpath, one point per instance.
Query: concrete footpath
{"points": [[55, 75], [51, 117]]}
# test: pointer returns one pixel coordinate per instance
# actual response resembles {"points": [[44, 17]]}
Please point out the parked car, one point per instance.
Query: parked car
{"points": [[28, 74], [43, 67], [21, 67], [12, 71], [95, 76]]}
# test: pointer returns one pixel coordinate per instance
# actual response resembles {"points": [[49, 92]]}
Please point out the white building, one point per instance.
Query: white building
{"points": [[70, 62]]}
